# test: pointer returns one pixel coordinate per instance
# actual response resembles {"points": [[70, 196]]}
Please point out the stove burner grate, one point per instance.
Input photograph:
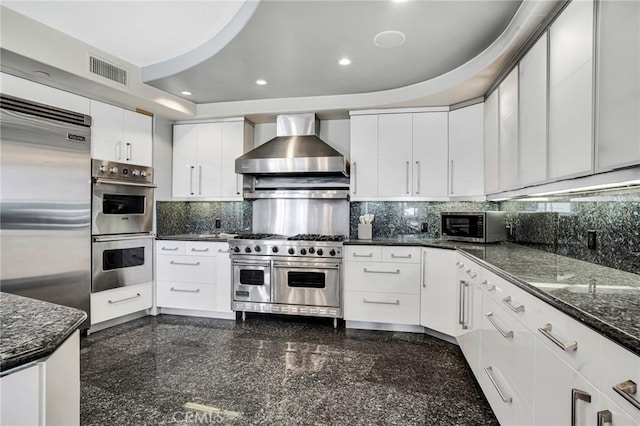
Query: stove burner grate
{"points": [[255, 236], [316, 237]]}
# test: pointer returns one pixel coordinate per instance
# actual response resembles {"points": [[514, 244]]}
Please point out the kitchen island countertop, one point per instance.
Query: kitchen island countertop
{"points": [[31, 329], [605, 299]]}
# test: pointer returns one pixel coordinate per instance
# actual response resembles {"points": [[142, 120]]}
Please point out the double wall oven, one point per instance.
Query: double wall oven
{"points": [[122, 221]]}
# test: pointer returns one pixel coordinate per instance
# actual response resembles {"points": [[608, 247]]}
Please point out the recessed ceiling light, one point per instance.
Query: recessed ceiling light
{"points": [[389, 39], [261, 82], [399, 1], [344, 61], [186, 93]]}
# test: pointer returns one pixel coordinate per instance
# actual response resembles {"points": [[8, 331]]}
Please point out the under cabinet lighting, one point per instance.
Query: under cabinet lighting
{"points": [[617, 185]]}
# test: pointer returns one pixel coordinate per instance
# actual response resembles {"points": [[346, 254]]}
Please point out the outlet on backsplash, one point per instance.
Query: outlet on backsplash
{"points": [[591, 239], [424, 227]]}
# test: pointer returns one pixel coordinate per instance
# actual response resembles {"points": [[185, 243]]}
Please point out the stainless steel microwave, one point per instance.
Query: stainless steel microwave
{"points": [[473, 227]]}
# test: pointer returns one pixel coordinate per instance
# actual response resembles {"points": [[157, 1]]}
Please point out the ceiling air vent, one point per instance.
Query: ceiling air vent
{"points": [[109, 71]]}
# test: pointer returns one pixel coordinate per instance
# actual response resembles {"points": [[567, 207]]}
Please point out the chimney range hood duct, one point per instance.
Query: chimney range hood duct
{"points": [[295, 151]]}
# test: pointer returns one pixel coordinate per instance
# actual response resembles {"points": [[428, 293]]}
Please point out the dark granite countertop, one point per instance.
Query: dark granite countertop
{"points": [[605, 299], [221, 237], [32, 329]]}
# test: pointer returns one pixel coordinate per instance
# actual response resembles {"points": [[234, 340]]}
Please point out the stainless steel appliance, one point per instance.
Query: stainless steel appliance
{"points": [[122, 220], [45, 216], [122, 198], [298, 275], [474, 227]]}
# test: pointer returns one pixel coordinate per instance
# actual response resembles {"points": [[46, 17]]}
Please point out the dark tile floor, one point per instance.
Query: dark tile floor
{"points": [[273, 371]]}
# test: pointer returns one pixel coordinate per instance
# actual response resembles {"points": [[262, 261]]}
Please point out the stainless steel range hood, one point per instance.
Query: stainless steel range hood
{"points": [[295, 151]]}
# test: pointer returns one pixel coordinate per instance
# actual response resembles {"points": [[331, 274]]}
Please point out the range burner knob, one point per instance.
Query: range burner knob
{"points": [[274, 249], [258, 249], [332, 252], [320, 252], [303, 251], [291, 251], [312, 250], [247, 249], [236, 249], [113, 170]]}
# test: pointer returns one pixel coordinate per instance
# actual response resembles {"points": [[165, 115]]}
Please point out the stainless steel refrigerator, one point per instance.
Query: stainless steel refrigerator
{"points": [[45, 203]]}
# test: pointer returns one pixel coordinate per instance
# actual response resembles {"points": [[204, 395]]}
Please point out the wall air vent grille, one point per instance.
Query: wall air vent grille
{"points": [[109, 71]]}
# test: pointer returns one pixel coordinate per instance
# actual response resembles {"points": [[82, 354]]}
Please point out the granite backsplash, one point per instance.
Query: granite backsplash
{"points": [[198, 217]]}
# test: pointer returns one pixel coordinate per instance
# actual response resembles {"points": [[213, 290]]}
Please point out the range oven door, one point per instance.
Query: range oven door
{"points": [[121, 207], [119, 261], [306, 283], [251, 280]]}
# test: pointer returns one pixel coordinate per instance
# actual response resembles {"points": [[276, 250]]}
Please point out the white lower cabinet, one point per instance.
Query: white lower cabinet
{"points": [[469, 312], [438, 290], [385, 290], [193, 275], [619, 369], [110, 304]]}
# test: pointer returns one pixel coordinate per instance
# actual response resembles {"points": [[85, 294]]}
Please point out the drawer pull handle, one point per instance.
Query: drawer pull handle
{"points": [[395, 256], [111, 302], [507, 301], [626, 389], [223, 251], [185, 263], [489, 287], [604, 416], [505, 398], [397, 271], [170, 248], [505, 334], [200, 250], [459, 264], [569, 345], [197, 290], [472, 274], [577, 394], [397, 302], [362, 255]]}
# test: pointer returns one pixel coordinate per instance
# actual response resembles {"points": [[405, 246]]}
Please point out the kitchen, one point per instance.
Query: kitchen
{"points": [[412, 154]]}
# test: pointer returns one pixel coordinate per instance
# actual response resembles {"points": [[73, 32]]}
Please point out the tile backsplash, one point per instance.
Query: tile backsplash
{"points": [[198, 217]]}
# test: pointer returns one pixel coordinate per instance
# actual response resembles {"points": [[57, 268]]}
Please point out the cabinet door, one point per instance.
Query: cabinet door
{"points": [[232, 148], [508, 142], [491, 143], [571, 91], [223, 278], [364, 156], [395, 155], [21, 398], [106, 132], [438, 290], [138, 138], [430, 154], [618, 101], [185, 157], [209, 160], [466, 151], [532, 152]]}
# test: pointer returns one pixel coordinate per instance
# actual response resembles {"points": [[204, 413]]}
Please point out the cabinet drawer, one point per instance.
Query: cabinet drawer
{"points": [[118, 302], [170, 247], [363, 254], [198, 248], [195, 269], [382, 277], [618, 367], [496, 388], [391, 308], [181, 295], [401, 254]]}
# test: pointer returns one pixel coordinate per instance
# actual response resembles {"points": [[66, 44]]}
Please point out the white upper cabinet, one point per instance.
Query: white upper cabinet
{"points": [[395, 155], [491, 143], [571, 92], [364, 156], [508, 141], [532, 152], [466, 151], [121, 135], [430, 154], [618, 85], [204, 157]]}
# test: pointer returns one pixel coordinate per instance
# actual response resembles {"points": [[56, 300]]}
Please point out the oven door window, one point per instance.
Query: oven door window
{"points": [[297, 279], [123, 204], [252, 277], [122, 258]]}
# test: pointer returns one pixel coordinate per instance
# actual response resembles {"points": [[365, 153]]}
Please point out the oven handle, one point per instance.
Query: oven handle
{"points": [[120, 237], [305, 266], [99, 181], [256, 264]]}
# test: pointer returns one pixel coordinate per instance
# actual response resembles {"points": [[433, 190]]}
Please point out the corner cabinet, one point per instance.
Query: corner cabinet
{"points": [[121, 135], [438, 291], [466, 151], [204, 157]]}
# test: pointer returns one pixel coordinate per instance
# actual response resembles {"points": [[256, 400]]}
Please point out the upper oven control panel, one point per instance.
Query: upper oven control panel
{"points": [[121, 171]]}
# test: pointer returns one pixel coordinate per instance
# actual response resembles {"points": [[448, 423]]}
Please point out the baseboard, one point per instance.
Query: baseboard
{"points": [[117, 321], [362, 325], [441, 336], [195, 313]]}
